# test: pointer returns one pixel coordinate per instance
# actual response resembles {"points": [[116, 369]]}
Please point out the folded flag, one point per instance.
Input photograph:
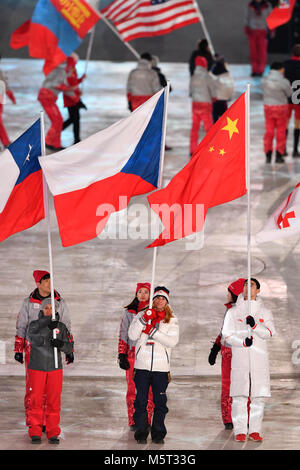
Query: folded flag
{"points": [[285, 220], [55, 30], [281, 14], [215, 174], [99, 175], [21, 183]]}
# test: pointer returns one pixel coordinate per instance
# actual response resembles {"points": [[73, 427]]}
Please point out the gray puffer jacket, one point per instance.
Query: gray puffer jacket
{"points": [[42, 351], [143, 80], [203, 87], [276, 89]]}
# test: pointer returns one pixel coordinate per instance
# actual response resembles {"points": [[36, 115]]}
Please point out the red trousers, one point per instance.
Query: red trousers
{"points": [[276, 121], [226, 400], [201, 112], [258, 50], [296, 108], [130, 396], [3, 134], [48, 100], [50, 383], [136, 101]]}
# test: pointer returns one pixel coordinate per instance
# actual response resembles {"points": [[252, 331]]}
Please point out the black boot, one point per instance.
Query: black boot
{"points": [[285, 154], [296, 141], [269, 156], [279, 158]]}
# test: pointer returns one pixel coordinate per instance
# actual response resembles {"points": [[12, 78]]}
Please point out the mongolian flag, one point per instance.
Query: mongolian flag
{"points": [[55, 30], [281, 14], [216, 174]]}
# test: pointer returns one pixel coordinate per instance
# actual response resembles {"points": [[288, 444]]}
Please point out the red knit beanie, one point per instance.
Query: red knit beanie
{"points": [[140, 285], [37, 275], [237, 286]]}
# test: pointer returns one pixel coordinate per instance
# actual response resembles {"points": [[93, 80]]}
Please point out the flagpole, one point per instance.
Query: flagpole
{"points": [[47, 215], [206, 33], [248, 200], [160, 177], [89, 49], [114, 30]]}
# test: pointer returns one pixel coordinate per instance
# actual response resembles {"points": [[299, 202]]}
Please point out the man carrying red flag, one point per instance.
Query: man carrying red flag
{"points": [[215, 175]]}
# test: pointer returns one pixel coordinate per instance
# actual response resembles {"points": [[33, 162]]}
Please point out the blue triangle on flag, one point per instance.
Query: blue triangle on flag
{"points": [[26, 150], [144, 161]]}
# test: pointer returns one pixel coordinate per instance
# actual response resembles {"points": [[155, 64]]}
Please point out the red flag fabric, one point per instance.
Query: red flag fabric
{"points": [[20, 37], [281, 14], [143, 18], [215, 174]]}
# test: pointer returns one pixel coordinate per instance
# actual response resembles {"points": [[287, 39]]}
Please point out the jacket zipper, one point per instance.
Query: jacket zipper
{"points": [[152, 357]]}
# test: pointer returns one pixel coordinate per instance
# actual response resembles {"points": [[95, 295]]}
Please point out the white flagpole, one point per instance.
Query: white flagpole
{"points": [[160, 177], [47, 215], [206, 33], [248, 200], [114, 30], [89, 49]]}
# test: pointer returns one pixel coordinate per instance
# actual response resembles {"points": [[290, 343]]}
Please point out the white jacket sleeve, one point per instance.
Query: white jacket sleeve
{"points": [[265, 329], [136, 327], [230, 334], [169, 339]]}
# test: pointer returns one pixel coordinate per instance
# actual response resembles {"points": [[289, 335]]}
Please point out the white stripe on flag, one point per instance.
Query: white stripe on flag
{"points": [[9, 173], [99, 156]]}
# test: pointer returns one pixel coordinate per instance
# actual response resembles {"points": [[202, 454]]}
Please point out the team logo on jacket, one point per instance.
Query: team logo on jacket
{"points": [[57, 331]]}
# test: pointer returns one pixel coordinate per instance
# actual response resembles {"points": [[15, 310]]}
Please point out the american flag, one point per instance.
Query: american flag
{"points": [[139, 18]]}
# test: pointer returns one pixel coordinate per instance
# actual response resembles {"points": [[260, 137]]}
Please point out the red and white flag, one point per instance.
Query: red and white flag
{"points": [[281, 14], [285, 220], [142, 18]]}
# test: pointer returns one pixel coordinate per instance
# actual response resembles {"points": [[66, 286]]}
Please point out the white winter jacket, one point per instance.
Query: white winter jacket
{"points": [[153, 352], [143, 80], [224, 86], [202, 88], [249, 365]]}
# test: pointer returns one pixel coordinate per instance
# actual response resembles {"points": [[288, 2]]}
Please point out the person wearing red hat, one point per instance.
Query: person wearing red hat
{"points": [[29, 311], [72, 99], [126, 348], [233, 291], [202, 90]]}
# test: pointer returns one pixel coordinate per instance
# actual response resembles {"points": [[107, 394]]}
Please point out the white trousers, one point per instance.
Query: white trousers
{"points": [[239, 414]]}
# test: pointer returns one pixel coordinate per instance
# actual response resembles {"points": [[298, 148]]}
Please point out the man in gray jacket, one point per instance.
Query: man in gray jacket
{"points": [[276, 91], [142, 83], [43, 376], [29, 312]]}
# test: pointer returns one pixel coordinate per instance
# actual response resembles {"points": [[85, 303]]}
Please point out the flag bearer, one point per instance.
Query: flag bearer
{"points": [[156, 333], [43, 376], [276, 92], [233, 291], [256, 31], [29, 312], [202, 90], [142, 83], [126, 348], [250, 376], [52, 85]]}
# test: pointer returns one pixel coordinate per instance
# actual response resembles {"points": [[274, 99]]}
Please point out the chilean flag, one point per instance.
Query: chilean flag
{"points": [[21, 183], [99, 175]]}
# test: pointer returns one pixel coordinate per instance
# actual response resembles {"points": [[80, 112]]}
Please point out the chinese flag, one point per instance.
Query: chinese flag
{"points": [[215, 174], [280, 14]]}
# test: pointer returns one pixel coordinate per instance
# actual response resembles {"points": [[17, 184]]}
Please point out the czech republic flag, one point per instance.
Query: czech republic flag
{"points": [[55, 30], [98, 176], [21, 183]]}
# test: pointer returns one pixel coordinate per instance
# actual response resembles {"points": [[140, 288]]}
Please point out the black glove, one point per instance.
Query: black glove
{"points": [[248, 341], [250, 321], [123, 362], [19, 357], [70, 358], [53, 324], [57, 343], [213, 354]]}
